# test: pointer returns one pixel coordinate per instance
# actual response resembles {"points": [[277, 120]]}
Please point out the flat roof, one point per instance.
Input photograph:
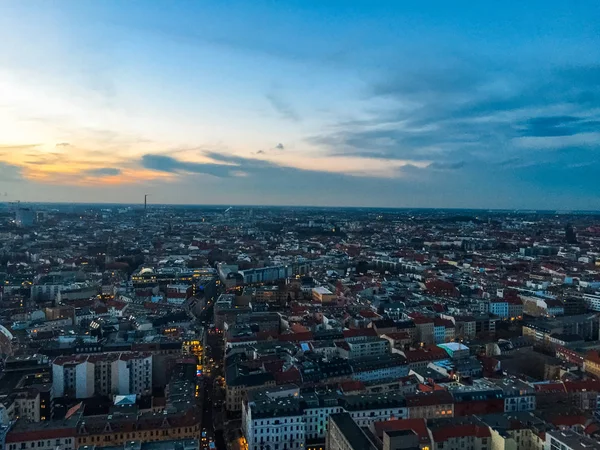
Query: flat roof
{"points": [[322, 290], [352, 432]]}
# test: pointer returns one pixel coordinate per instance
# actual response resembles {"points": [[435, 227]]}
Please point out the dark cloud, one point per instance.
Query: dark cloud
{"points": [[225, 166], [9, 173], [104, 172], [470, 112], [554, 126], [447, 165], [283, 107], [260, 152], [279, 146], [163, 163]]}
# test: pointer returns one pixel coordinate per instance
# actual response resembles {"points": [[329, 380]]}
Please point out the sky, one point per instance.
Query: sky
{"points": [[377, 103]]}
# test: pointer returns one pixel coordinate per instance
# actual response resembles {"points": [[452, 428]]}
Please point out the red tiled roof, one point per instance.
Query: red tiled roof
{"points": [[299, 328], [567, 421], [586, 385], [439, 322], [367, 313], [429, 399], [457, 431], [593, 356], [39, 435], [398, 335], [274, 366], [290, 376], [351, 386], [419, 426], [296, 337], [550, 387], [431, 353], [359, 332]]}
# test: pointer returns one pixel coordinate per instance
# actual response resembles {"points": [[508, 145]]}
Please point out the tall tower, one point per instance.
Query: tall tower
{"points": [[145, 203]]}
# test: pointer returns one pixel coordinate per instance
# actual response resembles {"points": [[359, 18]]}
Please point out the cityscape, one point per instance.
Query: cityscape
{"points": [[299, 225], [231, 327]]}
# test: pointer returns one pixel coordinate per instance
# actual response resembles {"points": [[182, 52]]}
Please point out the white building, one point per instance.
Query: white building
{"points": [[139, 366], [569, 440], [369, 346], [592, 301], [84, 376], [73, 377], [270, 419], [379, 367]]}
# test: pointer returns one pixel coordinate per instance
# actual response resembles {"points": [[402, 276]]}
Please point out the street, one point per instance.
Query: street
{"points": [[212, 399]]}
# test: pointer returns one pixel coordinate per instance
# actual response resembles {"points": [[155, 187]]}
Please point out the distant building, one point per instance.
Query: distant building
{"points": [[25, 217]]}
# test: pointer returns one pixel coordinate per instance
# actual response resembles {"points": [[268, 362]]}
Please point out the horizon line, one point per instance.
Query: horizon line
{"points": [[521, 210]]}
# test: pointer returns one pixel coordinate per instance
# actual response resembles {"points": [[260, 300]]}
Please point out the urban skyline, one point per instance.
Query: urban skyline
{"points": [[301, 103]]}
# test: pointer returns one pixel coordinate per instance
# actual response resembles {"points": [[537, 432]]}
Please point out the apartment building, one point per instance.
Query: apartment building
{"points": [[84, 376], [277, 416], [369, 346]]}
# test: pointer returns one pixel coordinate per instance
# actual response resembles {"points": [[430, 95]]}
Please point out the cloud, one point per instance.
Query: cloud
{"points": [[164, 163], [279, 146], [447, 165], [282, 107], [63, 144], [468, 112], [10, 173], [557, 126], [104, 172], [16, 148]]}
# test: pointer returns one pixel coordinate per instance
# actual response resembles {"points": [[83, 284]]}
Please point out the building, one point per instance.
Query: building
{"points": [[592, 301], [591, 363], [373, 368], [73, 377], [239, 382], [480, 398], [283, 415], [455, 350], [25, 217], [49, 435], [266, 274], [178, 293], [518, 395], [322, 295], [583, 325], [369, 346], [425, 330], [120, 428], [119, 373], [344, 434], [455, 435], [272, 423], [177, 444], [430, 405], [27, 404], [465, 327], [569, 440], [414, 432]]}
